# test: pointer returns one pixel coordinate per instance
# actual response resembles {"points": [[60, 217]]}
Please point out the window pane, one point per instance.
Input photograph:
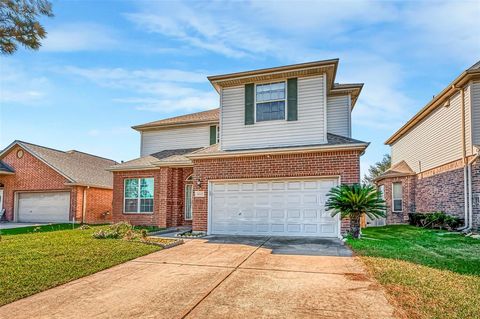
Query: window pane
{"points": [[131, 188], [397, 205], [188, 202], [146, 188], [381, 189], [146, 205], [269, 92], [397, 190], [270, 111], [131, 205]]}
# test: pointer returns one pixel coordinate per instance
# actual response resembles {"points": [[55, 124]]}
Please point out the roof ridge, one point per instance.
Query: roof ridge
{"points": [[183, 119], [64, 152], [42, 158]]}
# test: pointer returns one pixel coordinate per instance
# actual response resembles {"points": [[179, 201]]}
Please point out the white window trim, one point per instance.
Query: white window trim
{"points": [[393, 198], [138, 198], [191, 203], [255, 102]]}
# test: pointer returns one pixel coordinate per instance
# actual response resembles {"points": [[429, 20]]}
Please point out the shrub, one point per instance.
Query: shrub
{"points": [[434, 220], [122, 228], [105, 234], [115, 231]]}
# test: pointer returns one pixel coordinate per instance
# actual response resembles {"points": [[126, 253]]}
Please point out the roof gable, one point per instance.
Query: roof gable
{"points": [[398, 170], [77, 167]]}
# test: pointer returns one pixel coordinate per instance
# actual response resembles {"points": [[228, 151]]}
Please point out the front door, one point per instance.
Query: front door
{"points": [[188, 201]]}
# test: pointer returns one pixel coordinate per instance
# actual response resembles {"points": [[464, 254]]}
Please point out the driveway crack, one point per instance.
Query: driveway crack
{"points": [[226, 277]]}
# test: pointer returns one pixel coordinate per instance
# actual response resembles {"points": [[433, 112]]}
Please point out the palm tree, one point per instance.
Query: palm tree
{"points": [[354, 200]]}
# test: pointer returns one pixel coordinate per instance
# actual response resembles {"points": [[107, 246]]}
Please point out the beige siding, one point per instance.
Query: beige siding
{"points": [[338, 115], [435, 141], [174, 138], [475, 95], [468, 120], [309, 129]]}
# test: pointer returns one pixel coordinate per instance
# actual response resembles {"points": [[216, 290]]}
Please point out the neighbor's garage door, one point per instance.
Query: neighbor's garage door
{"points": [[283, 208], [44, 207]]}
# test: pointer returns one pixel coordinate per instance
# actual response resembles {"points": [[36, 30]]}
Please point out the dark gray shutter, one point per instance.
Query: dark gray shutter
{"points": [[292, 113], [213, 135], [249, 104]]}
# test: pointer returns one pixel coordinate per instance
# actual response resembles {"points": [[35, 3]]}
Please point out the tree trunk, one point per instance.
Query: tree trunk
{"points": [[355, 226]]}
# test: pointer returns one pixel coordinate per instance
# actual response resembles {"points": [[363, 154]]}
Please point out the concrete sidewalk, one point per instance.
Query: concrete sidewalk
{"points": [[220, 277]]}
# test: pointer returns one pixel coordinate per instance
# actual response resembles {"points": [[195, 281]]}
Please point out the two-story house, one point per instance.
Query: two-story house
{"points": [[435, 164], [261, 164]]}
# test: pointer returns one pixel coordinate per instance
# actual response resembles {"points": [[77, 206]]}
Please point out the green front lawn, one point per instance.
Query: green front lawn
{"points": [[426, 273], [33, 262], [37, 229]]}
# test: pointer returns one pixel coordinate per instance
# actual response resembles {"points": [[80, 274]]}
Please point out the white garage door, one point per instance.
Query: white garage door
{"points": [[44, 207], [282, 208]]}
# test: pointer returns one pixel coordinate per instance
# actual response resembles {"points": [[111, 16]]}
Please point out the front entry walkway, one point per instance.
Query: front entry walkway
{"points": [[220, 277]]}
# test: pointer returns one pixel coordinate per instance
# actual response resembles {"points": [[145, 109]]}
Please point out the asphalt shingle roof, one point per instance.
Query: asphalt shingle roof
{"points": [[4, 167], [166, 156], [81, 168], [332, 139], [199, 117], [397, 170], [476, 66]]}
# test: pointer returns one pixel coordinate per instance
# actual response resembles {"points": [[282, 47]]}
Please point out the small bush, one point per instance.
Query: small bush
{"points": [[122, 228], [438, 220], [84, 227], [115, 231], [106, 234]]}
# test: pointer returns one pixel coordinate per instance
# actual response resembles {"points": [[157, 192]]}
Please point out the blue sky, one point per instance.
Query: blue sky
{"points": [[108, 65]]}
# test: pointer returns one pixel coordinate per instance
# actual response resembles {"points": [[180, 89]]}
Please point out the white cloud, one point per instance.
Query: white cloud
{"points": [[445, 29], [158, 90], [79, 37], [188, 103], [204, 26], [19, 86], [108, 132]]}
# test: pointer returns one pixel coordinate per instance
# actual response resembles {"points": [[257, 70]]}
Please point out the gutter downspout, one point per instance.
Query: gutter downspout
{"points": [[470, 193], [464, 160], [84, 204]]}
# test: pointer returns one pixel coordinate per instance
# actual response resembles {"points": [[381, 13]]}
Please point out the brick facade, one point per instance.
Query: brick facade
{"points": [[476, 192], [442, 192], [345, 164], [408, 202], [168, 202], [33, 175], [99, 206]]}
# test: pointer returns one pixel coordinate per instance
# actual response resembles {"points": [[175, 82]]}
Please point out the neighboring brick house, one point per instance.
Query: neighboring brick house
{"points": [[261, 164], [435, 165], [39, 184]]}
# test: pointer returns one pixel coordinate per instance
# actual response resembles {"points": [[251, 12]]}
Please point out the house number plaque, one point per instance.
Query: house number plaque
{"points": [[199, 193]]}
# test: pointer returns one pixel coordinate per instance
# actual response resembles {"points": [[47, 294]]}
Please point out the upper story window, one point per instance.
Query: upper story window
{"points": [[138, 195], [270, 101]]}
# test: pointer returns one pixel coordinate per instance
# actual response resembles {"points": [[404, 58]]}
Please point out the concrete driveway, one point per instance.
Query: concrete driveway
{"points": [[220, 277]]}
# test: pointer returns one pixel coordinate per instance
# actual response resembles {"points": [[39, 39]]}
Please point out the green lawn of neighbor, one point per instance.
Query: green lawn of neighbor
{"points": [[33, 262], [426, 273]]}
